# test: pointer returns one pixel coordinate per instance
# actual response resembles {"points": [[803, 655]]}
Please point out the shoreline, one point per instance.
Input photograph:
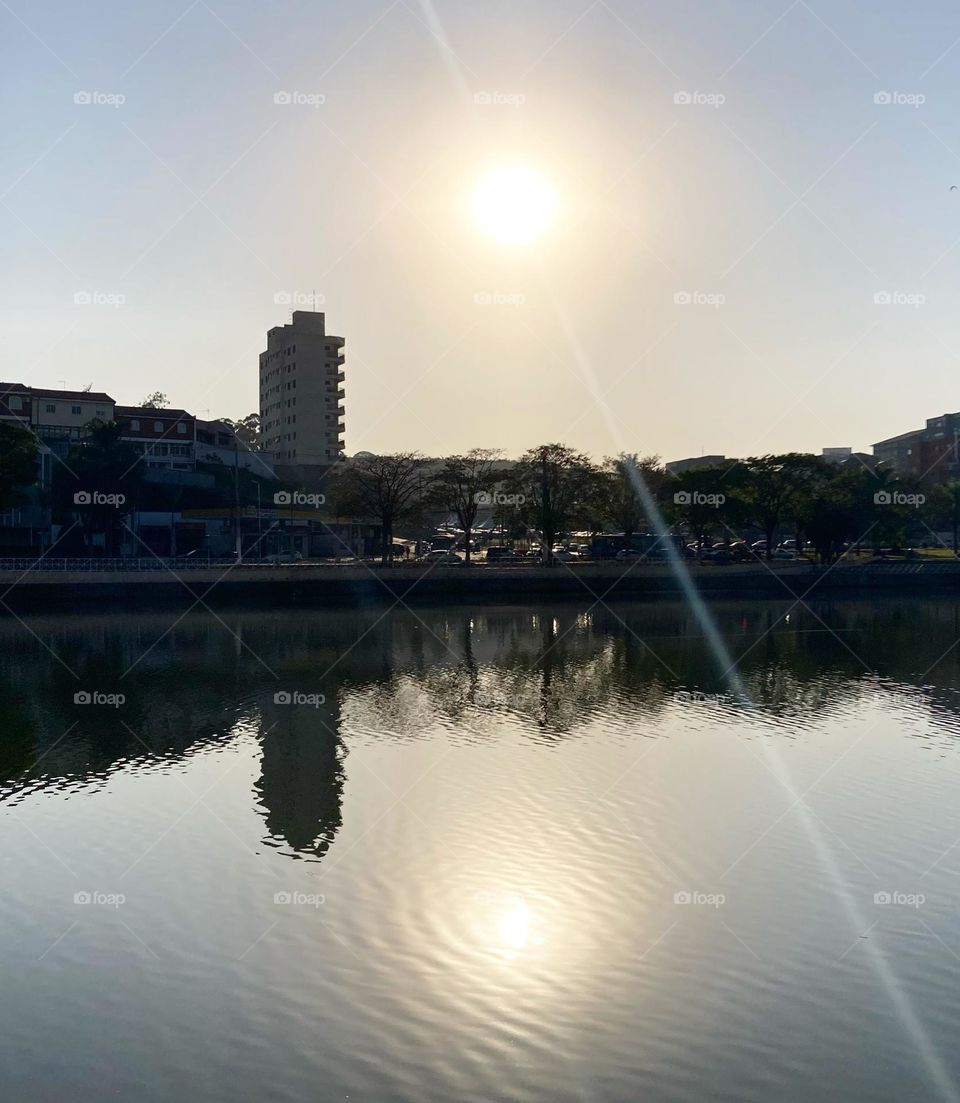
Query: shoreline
{"points": [[311, 585]]}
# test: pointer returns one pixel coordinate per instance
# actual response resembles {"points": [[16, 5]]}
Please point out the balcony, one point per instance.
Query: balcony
{"points": [[341, 410], [341, 359], [341, 394], [341, 376]]}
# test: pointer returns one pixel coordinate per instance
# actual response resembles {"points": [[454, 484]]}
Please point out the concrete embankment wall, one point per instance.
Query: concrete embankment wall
{"points": [[316, 585]]}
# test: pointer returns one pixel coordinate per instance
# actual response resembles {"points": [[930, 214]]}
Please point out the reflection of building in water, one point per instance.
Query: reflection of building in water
{"points": [[301, 780]]}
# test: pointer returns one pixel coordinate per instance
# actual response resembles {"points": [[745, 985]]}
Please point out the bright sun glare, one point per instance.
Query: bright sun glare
{"points": [[513, 204]]}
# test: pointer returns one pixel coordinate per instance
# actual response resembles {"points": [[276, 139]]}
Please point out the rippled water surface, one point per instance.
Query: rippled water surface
{"points": [[534, 853]]}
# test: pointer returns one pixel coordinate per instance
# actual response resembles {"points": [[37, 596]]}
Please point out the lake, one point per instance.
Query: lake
{"points": [[500, 853]]}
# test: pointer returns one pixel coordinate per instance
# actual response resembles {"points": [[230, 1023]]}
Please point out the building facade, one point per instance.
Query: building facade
{"points": [[693, 463], [930, 454], [302, 419]]}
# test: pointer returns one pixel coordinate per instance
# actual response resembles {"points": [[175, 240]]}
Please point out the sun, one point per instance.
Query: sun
{"points": [[514, 204]]}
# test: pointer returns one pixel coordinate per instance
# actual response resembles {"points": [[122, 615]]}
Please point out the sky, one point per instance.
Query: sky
{"points": [[755, 245]]}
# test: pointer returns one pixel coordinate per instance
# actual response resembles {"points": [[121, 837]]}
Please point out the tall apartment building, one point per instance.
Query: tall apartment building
{"points": [[301, 394]]}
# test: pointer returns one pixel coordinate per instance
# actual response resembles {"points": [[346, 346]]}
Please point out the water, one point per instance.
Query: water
{"points": [[505, 853]]}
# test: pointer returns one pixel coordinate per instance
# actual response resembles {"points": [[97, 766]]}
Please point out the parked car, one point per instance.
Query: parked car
{"points": [[629, 553], [564, 555], [443, 558], [534, 553], [783, 553]]}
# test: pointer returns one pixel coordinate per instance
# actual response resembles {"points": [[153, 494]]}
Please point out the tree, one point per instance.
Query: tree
{"points": [[944, 508], [558, 485], [701, 498], [155, 401], [386, 487], [464, 483], [18, 463], [621, 501], [770, 488], [101, 481], [246, 430]]}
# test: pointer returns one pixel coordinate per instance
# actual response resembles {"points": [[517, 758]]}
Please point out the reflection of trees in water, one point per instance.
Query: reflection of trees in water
{"points": [[552, 669]]}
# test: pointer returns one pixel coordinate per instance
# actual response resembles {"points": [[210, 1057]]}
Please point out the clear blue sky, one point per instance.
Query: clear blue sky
{"points": [[200, 200]]}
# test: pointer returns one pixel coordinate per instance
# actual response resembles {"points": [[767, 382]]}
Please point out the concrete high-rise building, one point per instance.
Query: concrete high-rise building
{"points": [[301, 395]]}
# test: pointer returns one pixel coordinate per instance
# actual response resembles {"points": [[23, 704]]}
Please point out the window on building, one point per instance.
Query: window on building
{"points": [[158, 426], [50, 408], [15, 403], [181, 427], [76, 410], [135, 426]]}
